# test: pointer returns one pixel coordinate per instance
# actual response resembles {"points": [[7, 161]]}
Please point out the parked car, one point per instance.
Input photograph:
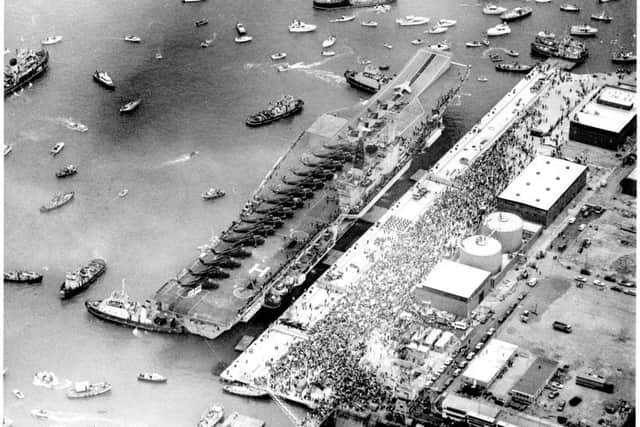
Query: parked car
{"points": [[616, 289], [582, 227], [448, 382], [561, 405], [598, 283], [580, 279], [572, 219], [456, 372], [478, 346], [553, 394], [462, 364], [471, 355], [522, 296], [491, 331], [556, 384], [448, 361]]}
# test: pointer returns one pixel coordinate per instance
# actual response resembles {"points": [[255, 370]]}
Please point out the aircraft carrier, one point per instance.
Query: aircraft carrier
{"points": [[331, 176]]}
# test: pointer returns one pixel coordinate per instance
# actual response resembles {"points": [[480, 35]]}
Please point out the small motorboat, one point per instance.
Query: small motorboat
{"points": [[492, 9], [17, 393], [388, 45], [440, 46], [474, 43], [104, 79], [328, 53], [483, 79], [369, 23], [213, 193], [446, 22], [57, 148], [130, 106], [78, 127], [201, 22], [602, 17], [278, 56], [486, 42], [123, 193], [84, 389], [624, 58], [436, 30], [205, 44], [67, 171], [516, 13], [583, 30], [343, 18], [499, 30], [569, 7], [283, 67], [20, 276], [543, 1], [512, 53], [494, 57], [40, 413], [410, 20], [243, 39], [329, 41], [244, 390], [132, 39], [546, 34], [159, 55], [298, 26], [51, 40], [514, 67], [151, 377], [417, 42], [7, 149]]}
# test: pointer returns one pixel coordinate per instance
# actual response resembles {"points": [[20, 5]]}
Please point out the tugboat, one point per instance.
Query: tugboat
{"points": [[279, 109], [516, 13], [602, 17], [624, 58], [84, 389], [583, 30], [79, 280], [67, 171], [213, 193], [122, 309], [58, 200], [565, 48], [409, 21], [104, 79], [201, 22], [212, 416], [499, 30], [514, 67], [151, 377], [298, 26], [492, 9], [369, 80], [20, 276], [51, 40], [569, 7], [25, 67], [244, 390], [130, 106]]}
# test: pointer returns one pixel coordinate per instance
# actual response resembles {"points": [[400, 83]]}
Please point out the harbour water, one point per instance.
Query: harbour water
{"points": [[194, 100]]}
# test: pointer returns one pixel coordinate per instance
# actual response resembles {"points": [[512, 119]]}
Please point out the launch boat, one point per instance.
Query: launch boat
{"points": [[79, 280], [278, 109]]}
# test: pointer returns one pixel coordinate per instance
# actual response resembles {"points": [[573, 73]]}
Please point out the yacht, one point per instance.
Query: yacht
{"points": [[132, 39], [278, 56], [446, 22], [583, 30], [436, 30], [440, 46], [516, 13], [130, 106], [369, 23], [300, 27], [51, 40], [104, 79], [474, 43], [343, 18], [152, 377], [411, 20], [417, 42], [329, 41], [499, 30], [569, 7], [57, 148], [492, 9], [602, 17]]}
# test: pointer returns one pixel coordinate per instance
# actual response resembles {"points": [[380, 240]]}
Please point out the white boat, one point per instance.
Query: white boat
{"points": [[369, 23], [7, 149], [417, 42], [474, 43], [440, 46], [132, 39], [546, 34], [159, 55], [329, 42], [328, 53], [243, 39], [602, 16], [300, 27], [123, 193], [583, 30], [569, 7], [17, 393], [57, 148], [411, 20], [512, 53], [130, 106], [492, 9], [152, 377], [283, 67], [40, 413], [278, 56], [343, 18], [51, 40], [381, 8], [436, 30], [77, 126], [543, 1], [446, 22], [104, 79], [483, 79], [388, 45], [211, 417], [499, 30], [205, 44]]}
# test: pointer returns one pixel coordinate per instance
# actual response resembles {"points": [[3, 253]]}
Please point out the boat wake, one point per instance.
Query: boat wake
{"points": [[69, 123], [82, 419], [183, 158], [52, 383], [324, 75]]}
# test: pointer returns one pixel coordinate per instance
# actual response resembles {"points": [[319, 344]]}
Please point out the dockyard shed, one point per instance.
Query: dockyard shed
{"points": [[607, 118], [432, 337], [489, 363], [543, 189], [474, 412], [453, 287], [630, 184], [531, 384]]}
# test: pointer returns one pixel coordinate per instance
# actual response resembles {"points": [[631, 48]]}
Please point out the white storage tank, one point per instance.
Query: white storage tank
{"points": [[481, 252], [506, 228]]}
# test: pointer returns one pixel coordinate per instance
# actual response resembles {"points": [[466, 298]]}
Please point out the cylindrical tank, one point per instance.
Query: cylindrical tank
{"points": [[506, 228], [481, 252]]}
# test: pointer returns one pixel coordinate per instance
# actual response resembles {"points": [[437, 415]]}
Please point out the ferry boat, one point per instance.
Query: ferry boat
{"points": [[67, 171], [278, 56], [410, 20], [21, 276], [213, 193], [602, 17], [440, 46], [583, 30], [79, 280], [569, 7], [447, 22], [56, 148], [151, 377], [7, 149], [343, 18], [84, 389], [499, 30], [516, 13], [58, 200], [201, 22], [369, 80], [298, 26], [330, 41], [244, 390], [474, 43], [104, 79], [436, 30], [130, 106], [624, 58], [132, 39], [49, 40], [24, 68], [369, 23], [514, 67], [564, 48], [211, 417], [283, 107], [492, 9]]}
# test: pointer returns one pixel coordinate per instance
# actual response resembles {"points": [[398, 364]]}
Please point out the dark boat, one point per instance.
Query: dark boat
{"points": [[24, 68], [514, 67], [244, 239], [201, 22], [282, 200], [564, 48], [122, 309], [296, 191], [516, 13], [234, 250], [79, 280], [20, 276], [260, 229], [568, 7], [313, 183], [329, 164], [67, 171], [279, 109], [368, 80], [218, 261], [276, 210], [58, 200], [316, 172], [624, 58], [257, 218], [104, 79], [330, 4]]}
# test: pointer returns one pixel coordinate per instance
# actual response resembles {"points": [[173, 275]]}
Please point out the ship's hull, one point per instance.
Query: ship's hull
{"points": [[72, 394], [242, 390], [36, 72], [295, 110], [66, 293], [631, 60], [510, 17], [92, 307], [552, 53], [47, 208], [328, 4], [351, 79], [515, 69], [36, 279]]}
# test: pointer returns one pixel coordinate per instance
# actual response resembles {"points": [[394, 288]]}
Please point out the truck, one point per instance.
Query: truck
{"points": [[561, 326]]}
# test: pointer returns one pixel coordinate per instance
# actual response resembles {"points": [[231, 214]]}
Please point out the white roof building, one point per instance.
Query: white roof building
{"points": [[454, 278], [486, 366]]}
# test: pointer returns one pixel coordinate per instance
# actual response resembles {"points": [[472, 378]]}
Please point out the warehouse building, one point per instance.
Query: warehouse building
{"points": [[543, 189], [531, 384], [453, 287], [607, 118], [489, 363], [472, 412]]}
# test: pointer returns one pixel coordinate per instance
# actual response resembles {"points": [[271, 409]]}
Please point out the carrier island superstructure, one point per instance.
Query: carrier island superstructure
{"points": [[331, 176]]}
